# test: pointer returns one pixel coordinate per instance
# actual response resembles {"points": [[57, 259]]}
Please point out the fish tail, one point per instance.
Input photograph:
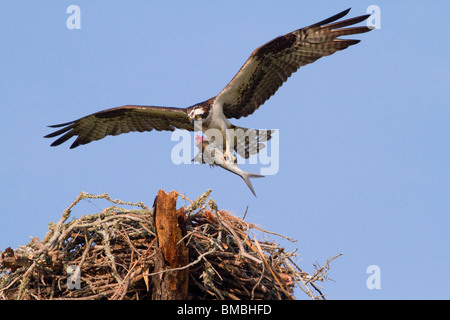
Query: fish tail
{"points": [[247, 176]]}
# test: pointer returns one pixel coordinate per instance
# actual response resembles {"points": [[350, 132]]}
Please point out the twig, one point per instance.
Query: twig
{"points": [[183, 267]]}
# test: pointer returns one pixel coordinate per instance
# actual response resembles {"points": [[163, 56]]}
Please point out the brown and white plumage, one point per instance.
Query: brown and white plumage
{"points": [[270, 65], [267, 68], [120, 120]]}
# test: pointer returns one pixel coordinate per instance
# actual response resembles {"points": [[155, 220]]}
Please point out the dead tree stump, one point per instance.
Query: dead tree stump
{"points": [[171, 252]]}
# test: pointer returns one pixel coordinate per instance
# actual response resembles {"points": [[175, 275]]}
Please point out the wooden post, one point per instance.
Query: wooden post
{"points": [[171, 252]]}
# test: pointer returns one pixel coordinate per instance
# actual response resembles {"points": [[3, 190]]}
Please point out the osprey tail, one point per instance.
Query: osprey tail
{"points": [[248, 141]]}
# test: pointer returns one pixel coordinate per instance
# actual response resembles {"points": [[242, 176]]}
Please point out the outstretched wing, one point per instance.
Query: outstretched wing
{"points": [[270, 65], [120, 120]]}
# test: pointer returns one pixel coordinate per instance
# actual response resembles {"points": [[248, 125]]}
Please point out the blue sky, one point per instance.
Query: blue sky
{"points": [[364, 134]]}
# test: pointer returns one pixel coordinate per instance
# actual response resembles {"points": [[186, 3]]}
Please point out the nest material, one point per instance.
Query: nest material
{"points": [[113, 255]]}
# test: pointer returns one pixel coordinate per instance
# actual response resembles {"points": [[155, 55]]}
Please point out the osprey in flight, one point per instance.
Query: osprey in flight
{"points": [[267, 68]]}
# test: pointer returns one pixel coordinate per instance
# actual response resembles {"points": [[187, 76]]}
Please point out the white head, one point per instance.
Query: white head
{"points": [[198, 114]]}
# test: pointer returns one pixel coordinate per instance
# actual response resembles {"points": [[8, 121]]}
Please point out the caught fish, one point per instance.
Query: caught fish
{"points": [[215, 156]]}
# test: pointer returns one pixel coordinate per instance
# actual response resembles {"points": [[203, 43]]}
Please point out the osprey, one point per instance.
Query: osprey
{"points": [[267, 68]]}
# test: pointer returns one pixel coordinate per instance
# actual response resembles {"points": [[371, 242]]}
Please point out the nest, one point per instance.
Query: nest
{"points": [[114, 255]]}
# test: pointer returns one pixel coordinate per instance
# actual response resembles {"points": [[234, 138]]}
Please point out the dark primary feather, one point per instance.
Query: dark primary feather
{"points": [[270, 65], [120, 120]]}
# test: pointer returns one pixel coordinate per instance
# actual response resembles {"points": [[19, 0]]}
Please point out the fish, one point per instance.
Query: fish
{"points": [[214, 156]]}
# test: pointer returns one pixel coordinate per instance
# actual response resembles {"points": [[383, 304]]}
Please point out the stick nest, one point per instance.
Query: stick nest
{"points": [[110, 255]]}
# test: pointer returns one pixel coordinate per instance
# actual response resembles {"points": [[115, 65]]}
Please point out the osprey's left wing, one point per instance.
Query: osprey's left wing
{"points": [[269, 66], [120, 120]]}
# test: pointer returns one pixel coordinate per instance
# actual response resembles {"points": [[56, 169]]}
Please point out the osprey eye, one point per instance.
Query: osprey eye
{"points": [[197, 117]]}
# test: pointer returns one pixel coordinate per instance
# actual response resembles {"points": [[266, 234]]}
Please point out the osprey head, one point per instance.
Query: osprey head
{"points": [[198, 113]]}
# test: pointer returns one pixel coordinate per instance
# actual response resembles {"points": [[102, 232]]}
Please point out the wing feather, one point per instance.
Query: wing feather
{"points": [[120, 120], [270, 65]]}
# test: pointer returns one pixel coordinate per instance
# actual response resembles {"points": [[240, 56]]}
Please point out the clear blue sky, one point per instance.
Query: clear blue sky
{"points": [[364, 134]]}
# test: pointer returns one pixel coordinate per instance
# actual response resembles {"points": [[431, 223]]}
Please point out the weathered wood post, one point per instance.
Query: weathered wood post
{"points": [[171, 252]]}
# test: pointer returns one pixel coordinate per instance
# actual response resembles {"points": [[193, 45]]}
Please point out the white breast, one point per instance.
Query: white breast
{"points": [[218, 119]]}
